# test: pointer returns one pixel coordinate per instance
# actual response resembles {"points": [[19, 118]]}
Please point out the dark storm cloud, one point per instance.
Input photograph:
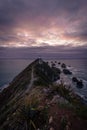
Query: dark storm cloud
{"points": [[10, 9], [20, 14]]}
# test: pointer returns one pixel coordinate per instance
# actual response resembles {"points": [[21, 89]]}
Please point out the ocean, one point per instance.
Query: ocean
{"points": [[9, 68]]}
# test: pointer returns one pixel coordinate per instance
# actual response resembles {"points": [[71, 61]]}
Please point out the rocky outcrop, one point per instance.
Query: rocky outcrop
{"points": [[67, 72], [79, 83], [74, 79], [63, 65]]}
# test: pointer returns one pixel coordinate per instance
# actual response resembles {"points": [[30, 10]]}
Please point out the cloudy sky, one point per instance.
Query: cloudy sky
{"points": [[43, 23]]}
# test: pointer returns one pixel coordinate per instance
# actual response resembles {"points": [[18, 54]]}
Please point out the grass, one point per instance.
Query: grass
{"points": [[31, 117], [66, 92], [66, 106], [63, 123], [74, 100], [63, 91]]}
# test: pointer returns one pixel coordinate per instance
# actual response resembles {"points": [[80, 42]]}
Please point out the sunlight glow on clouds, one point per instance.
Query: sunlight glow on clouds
{"points": [[27, 23]]}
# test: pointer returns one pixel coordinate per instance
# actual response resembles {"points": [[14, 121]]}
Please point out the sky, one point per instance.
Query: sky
{"points": [[49, 25]]}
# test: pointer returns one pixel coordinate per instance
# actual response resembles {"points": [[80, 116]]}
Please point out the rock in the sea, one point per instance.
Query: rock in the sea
{"points": [[53, 65], [74, 79], [79, 84], [59, 63], [63, 65], [56, 70], [66, 71]]}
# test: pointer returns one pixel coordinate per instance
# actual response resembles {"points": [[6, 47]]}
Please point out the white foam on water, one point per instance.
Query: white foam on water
{"points": [[67, 80]]}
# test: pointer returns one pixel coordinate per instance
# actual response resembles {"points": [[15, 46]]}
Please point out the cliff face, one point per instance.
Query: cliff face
{"points": [[32, 101]]}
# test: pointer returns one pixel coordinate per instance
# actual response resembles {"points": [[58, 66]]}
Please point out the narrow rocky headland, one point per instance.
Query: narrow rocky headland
{"points": [[38, 99]]}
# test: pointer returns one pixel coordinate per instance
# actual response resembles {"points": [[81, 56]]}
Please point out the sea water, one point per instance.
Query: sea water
{"points": [[9, 68]]}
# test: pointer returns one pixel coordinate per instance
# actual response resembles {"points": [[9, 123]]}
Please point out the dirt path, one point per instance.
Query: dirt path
{"points": [[31, 81]]}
